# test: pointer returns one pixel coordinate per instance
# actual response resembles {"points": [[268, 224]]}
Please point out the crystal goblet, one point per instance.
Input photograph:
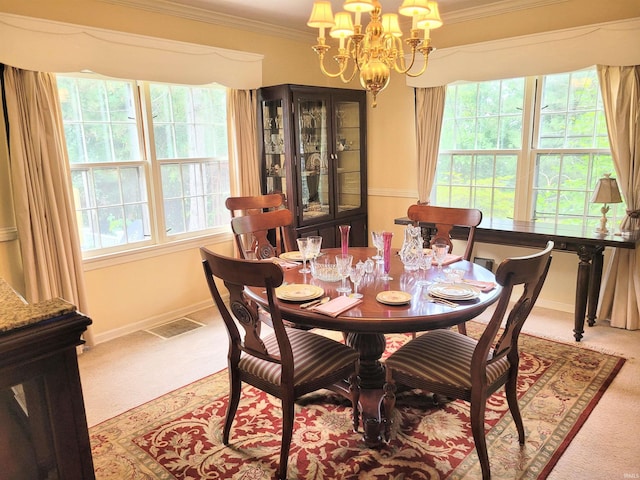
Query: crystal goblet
{"points": [[343, 263]]}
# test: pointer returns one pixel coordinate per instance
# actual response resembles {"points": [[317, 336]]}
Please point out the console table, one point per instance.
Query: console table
{"points": [[588, 245], [43, 433]]}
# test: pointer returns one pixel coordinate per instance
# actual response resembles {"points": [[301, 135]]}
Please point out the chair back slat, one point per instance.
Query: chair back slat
{"points": [[239, 206], [259, 226], [444, 219], [236, 274], [528, 272]]}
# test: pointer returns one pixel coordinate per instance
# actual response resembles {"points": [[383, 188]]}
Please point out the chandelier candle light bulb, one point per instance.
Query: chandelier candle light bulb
{"points": [[379, 50]]}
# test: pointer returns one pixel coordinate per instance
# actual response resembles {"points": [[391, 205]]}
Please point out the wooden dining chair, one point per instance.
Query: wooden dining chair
{"points": [[444, 219], [249, 205], [286, 364], [259, 226], [448, 363]]}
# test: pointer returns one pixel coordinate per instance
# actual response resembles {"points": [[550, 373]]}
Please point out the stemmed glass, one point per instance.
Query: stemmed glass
{"points": [[425, 264], [356, 274], [315, 244], [303, 248], [386, 251], [376, 237], [440, 250], [343, 264]]}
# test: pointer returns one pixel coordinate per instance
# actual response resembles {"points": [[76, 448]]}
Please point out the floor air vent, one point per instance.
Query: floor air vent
{"points": [[175, 328]]}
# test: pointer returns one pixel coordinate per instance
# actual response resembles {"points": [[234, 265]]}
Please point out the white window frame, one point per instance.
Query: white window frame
{"points": [[526, 162], [159, 239]]}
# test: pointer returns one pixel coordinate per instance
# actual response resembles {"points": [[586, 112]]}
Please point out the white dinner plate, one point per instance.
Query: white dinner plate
{"points": [[294, 256], [299, 292], [393, 297], [453, 291]]}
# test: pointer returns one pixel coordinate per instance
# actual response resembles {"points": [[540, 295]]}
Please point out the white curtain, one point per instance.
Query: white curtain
{"points": [[620, 88], [429, 111], [41, 180], [242, 125]]}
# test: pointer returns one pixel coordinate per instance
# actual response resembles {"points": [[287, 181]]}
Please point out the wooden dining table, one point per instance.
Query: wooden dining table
{"points": [[366, 324]]}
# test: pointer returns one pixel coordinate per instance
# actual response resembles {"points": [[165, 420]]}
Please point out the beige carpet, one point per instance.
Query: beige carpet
{"points": [[118, 376]]}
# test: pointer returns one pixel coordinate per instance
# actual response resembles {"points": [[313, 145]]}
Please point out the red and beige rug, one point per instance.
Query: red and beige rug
{"points": [[179, 434]]}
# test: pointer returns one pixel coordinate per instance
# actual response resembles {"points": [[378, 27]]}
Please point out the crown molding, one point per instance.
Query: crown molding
{"points": [[496, 8], [177, 9]]}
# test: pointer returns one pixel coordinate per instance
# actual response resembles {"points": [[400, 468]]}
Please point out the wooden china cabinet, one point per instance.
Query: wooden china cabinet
{"points": [[313, 150]]}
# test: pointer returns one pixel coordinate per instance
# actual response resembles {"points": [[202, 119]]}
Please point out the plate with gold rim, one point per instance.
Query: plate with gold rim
{"points": [[454, 291], [393, 297], [294, 256], [299, 292]]}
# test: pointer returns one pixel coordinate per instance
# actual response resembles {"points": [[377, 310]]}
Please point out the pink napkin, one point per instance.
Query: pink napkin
{"points": [[335, 307], [483, 286], [450, 258], [286, 265]]}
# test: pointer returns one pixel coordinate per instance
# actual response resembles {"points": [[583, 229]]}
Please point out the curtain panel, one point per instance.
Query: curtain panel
{"points": [[242, 125], [429, 112], [41, 181], [620, 86]]}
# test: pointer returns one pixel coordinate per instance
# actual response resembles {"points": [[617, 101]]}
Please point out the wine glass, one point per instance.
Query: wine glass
{"points": [[303, 248], [378, 244], [343, 264], [315, 244], [425, 264], [440, 250], [356, 274]]}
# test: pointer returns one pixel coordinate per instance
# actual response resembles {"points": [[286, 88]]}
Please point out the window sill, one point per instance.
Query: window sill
{"points": [[142, 253]]}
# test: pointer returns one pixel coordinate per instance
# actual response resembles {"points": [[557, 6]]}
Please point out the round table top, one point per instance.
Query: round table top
{"points": [[372, 316]]}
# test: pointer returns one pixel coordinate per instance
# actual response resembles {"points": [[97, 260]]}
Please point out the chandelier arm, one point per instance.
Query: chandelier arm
{"points": [[425, 51], [342, 62]]}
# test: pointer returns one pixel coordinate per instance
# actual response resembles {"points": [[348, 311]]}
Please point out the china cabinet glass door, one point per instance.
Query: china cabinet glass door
{"points": [[313, 164], [348, 155], [274, 146]]}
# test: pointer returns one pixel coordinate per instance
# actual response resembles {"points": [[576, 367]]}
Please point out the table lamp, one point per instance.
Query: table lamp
{"points": [[606, 192]]}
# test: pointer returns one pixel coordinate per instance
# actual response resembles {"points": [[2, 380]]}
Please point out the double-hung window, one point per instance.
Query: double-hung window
{"points": [[525, 148], [149, 161]]}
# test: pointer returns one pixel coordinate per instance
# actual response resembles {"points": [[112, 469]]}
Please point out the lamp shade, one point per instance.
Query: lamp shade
{"points": [[391, 25], [358, 5], [606, 191], [321, 15], [343, 27], [411, 8], [432, 19]]}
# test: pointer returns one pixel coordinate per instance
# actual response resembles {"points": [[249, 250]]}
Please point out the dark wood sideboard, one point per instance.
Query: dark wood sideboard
{"points": [[43, 426], [586, 243]]}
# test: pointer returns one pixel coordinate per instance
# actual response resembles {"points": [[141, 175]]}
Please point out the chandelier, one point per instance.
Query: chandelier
{"points": [[379, 48]]}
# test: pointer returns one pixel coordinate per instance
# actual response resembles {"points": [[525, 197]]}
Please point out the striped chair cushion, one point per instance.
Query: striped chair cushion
{"points": [[442, 356], [314, 356]]}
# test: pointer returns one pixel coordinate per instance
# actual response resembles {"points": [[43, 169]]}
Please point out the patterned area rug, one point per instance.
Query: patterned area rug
{"points": [[179, 434]]}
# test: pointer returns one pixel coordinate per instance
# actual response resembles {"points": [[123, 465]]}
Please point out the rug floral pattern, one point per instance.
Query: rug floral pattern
{"points": [[179, 434]]}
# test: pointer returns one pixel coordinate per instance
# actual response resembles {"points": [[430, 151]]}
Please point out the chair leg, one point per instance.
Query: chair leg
{"points": [[477, 428], [235, 387], [389, 403], [354, 389], [514, 407], [287, 433]]}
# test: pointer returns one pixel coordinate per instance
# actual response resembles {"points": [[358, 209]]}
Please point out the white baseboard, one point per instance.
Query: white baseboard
{"points": [[151, 322]]}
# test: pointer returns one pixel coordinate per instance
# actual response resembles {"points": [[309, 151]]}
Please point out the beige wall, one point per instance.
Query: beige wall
{"points": [[141, 292]]}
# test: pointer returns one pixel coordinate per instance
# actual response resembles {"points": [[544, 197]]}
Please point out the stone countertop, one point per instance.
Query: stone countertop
{"points": [[15, 312]]}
